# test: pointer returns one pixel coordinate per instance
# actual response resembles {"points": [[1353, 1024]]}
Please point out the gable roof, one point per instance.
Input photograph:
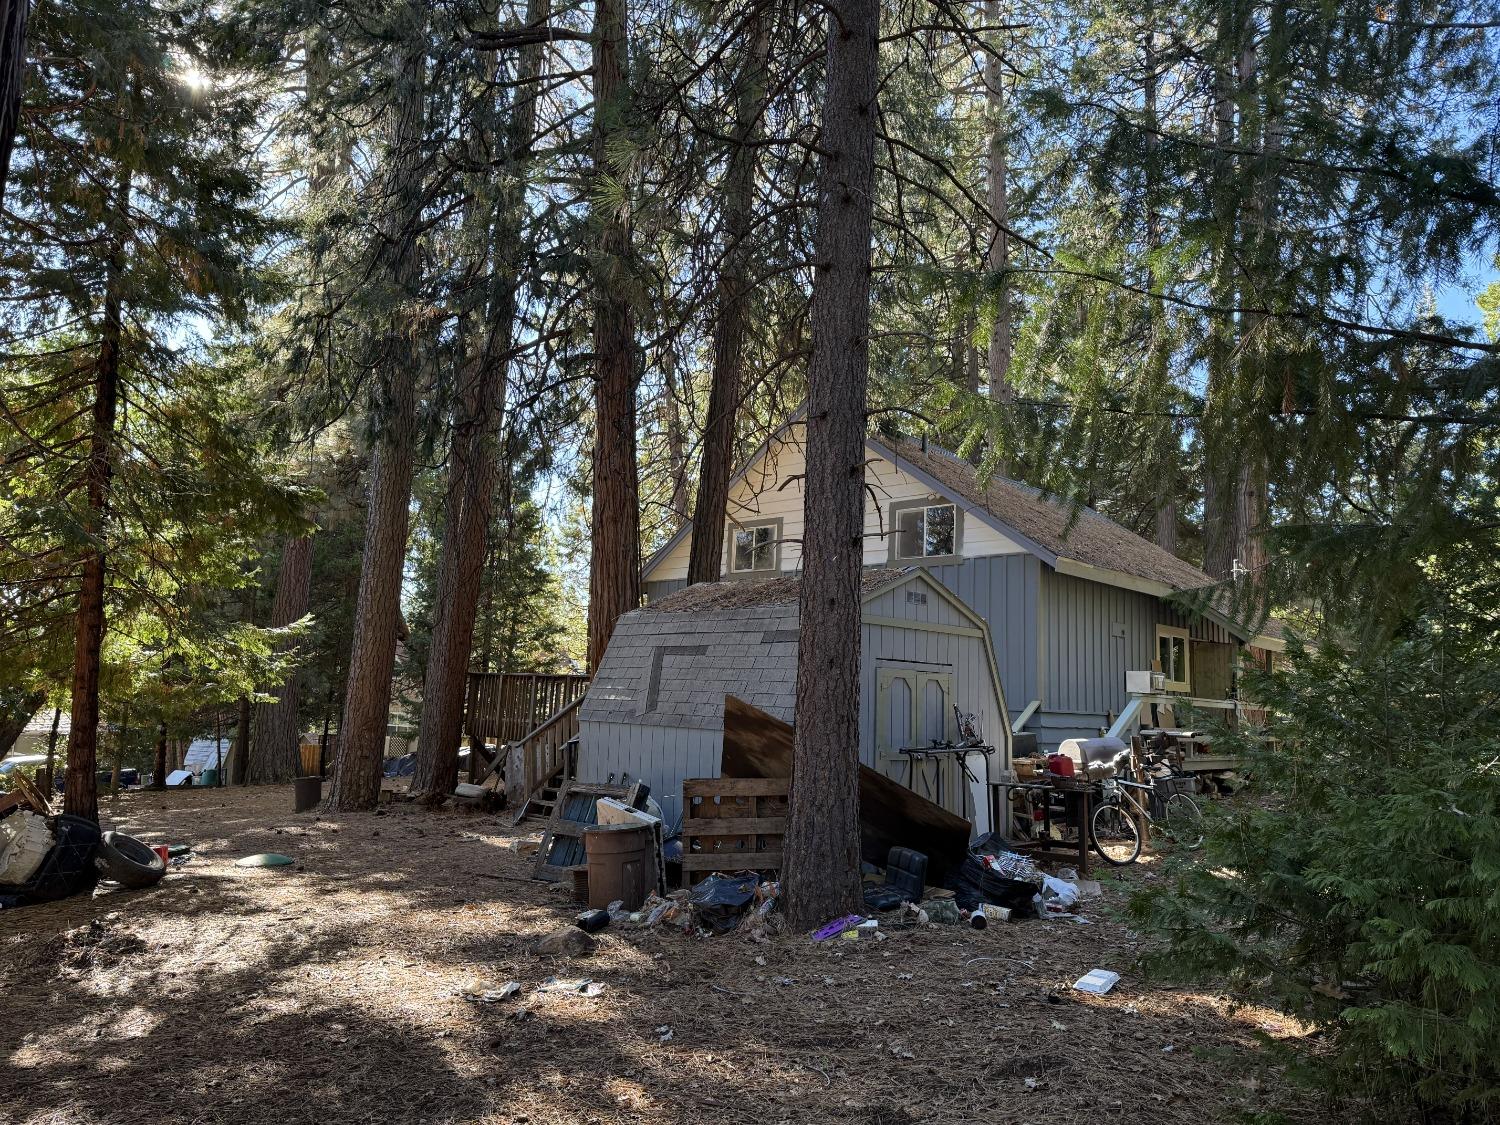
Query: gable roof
{"points": [[1072, 540], [783, 591], [1048, 522], [672, 662]]}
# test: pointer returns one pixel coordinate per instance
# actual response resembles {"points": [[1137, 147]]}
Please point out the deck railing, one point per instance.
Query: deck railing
{"points": [[508, 706], [542, 755]]}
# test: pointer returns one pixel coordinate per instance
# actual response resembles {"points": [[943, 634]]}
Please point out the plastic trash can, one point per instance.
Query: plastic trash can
{"points": [[621, 864], [306, 793]]}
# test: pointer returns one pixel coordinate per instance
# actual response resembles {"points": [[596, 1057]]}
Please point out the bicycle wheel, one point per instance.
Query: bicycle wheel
{"points": [[1115, 835], [1182, 821]]}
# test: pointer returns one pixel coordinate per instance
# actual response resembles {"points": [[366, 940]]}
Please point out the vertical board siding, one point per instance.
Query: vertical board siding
{"points": [[1004, 590], [657, 589], [1084, 663]]}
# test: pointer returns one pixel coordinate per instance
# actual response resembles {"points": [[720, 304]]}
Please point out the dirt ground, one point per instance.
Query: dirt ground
{"points": [[331, 992]]}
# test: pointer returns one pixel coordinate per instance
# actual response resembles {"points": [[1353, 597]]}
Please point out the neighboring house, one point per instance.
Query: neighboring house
{"points": [[1073, 600], [655, 709]]}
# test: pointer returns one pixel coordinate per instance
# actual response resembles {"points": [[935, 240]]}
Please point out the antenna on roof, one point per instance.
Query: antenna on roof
{"points": [[1238, 570]]}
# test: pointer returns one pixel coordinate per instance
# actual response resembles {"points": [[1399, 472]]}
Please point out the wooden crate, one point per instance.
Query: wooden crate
{"points": [[732, 824], [562, 847]]}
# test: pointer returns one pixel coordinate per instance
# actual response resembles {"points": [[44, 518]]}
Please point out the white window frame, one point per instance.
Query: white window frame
{"points": [[1172, 631], [732, 534], [899, 510]]}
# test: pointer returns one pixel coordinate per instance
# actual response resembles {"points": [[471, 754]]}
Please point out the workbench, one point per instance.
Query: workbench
{"points": [[1077, 810]]}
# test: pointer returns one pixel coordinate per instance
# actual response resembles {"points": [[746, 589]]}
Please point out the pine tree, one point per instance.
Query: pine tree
{"points": [[137, 209], [822, 842]]}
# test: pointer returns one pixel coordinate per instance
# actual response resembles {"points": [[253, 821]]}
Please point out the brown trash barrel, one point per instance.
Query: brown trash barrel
{"points": [[306, 793], [312, 755], [622, 864]]}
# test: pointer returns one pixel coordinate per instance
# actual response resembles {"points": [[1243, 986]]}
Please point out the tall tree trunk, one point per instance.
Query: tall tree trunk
{"points": [[615, 540], [12, 78], [822, 841], [1164, 438], [1220, 537], [239, 753], [671, 408], [1234, 523], [81, 787], [159, 770], [998, 201], [358, 765], [474, 458], [52, 751], [120, 737], [716, 459], [274, 756]]}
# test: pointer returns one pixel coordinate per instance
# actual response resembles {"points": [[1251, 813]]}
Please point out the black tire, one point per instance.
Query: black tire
{"points": [[129, 862], [1115, 835], [1182, 821]]}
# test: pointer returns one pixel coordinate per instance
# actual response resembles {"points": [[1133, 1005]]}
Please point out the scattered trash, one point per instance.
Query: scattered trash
{"points": [[836, 927], [582, 986], [943, 912], [592, 921], [569, 942], [664, 1033], [905, 878], [719, 900], [127, 861], [476, 989], [265, 859], [1167, 1049], [1097, 981], [1058, 891], [1033, 1083], [759, 924]]}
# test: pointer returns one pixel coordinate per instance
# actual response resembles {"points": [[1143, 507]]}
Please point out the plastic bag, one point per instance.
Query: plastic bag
{"points": [[719, 900], [1059, 892]]}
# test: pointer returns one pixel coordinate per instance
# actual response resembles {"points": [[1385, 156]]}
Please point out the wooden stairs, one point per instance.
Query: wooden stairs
{"points": [[535, 768], [541, 802]]}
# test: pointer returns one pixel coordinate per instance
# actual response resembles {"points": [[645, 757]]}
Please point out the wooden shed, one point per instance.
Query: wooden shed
{"points": [[655, 711]]}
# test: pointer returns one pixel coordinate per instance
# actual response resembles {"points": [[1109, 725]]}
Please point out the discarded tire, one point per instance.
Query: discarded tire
{"points": [[129, 862]]}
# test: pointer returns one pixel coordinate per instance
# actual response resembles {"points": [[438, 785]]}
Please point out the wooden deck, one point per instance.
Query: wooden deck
{"points": [[507, 706]]}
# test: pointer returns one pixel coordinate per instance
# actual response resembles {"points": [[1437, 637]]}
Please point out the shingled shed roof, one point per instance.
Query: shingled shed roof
{"points": [[744, 595], [673, 662], [674, 669]]}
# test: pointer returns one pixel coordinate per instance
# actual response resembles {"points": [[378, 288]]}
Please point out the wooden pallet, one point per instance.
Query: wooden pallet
{"points": [[732, 824], [551, 866]]}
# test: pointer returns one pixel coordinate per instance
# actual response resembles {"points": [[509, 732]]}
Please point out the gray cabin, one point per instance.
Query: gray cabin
{"points": [[1072, 599], [655, 709]]}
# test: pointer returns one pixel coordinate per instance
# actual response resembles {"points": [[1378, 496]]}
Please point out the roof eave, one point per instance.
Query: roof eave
{"points": [[970, 508]]}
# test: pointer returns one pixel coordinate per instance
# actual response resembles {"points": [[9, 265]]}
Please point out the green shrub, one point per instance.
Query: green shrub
{"points": [[1356, 883]]}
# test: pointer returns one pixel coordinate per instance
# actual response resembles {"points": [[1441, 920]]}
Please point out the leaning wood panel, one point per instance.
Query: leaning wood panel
{"points": [[758, 745]]}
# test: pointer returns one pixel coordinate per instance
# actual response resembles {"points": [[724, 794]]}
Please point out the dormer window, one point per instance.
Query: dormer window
{"points": [[754, 548], [923, 532]]}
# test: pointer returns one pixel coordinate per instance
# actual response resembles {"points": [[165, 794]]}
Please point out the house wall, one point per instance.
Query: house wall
{"points": [[1089, 636], [1005, 591], [772, 489]]}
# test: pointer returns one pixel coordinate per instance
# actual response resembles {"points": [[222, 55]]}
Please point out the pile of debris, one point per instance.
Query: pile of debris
{"points": [[45, 856]]}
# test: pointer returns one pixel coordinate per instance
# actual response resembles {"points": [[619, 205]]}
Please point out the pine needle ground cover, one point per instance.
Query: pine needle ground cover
{"points": [[329, 993]]}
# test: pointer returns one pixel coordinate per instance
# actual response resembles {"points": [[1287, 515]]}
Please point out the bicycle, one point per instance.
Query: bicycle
{"points": [[1114, 828]]}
